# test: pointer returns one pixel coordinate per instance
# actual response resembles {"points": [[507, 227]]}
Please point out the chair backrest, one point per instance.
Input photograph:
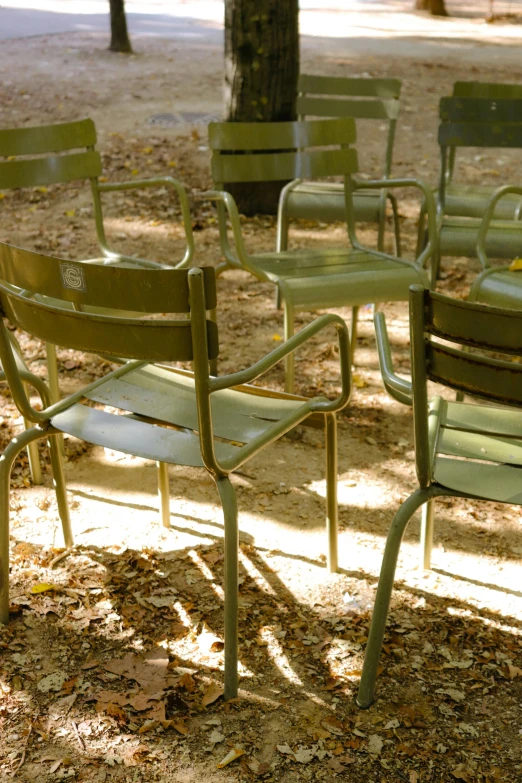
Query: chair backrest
{"points": [[160, 291], [48, 154], [359, 98], [281, 151], [480, 122], [486, 90], [440, 327]]}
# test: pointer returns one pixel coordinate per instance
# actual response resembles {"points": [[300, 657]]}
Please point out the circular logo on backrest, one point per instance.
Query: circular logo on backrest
{"points": [[73, 276]]}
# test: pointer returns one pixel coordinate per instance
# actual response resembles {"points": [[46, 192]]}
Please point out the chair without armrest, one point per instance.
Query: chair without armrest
{"points": [[461, 449], [319, 278], [177, 417], [360, 99]]}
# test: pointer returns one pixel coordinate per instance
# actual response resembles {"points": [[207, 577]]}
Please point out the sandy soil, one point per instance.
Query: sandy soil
{"points": [[450, 692]]}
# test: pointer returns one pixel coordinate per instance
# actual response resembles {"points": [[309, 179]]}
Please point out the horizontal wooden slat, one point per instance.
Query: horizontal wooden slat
{"points": [[38, 140], [480, 110], [249, 136], [487, 378], [492, 328], [357, 87], [487, 90], [275, 166], [130, 338], [480, 134], [113, 287], [49, 171], [314, 106]]}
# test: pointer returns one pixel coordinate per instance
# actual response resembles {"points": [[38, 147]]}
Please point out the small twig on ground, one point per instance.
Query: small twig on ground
{"points": [[61, 556], [81, 741], [24, 751]]}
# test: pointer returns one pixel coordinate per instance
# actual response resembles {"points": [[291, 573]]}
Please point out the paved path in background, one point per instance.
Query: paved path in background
{"points": [[374, 27]]}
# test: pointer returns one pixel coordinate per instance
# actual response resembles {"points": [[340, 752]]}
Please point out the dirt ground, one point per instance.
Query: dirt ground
{"points": [[112, 663]]}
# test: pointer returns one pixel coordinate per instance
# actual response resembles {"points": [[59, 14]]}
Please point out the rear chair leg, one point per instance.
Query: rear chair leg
{"points": [[164, 492], [290, 358], [331, 491], [426, 537], [55, 441]]}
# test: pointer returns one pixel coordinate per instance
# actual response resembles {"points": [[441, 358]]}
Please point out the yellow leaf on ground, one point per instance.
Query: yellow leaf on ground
{"points": [[70, 212], [358, 382], [147, 150], [171, 164], [43, 587], [516, 265], [276, 337], [135, 171]]}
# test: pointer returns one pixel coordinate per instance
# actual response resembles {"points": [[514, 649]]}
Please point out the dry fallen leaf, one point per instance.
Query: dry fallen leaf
{"points": [[234, 754], [212, 694]]}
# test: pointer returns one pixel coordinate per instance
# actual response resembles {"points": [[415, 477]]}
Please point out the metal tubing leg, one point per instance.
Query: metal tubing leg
{"points": [[382, 599], [164, 492], [34, 459], [421, 231], [353, 336], [6, 463], [213, 363], [396, 225], [60, 488], [426, 537], [229, 503], [331, 491], [290, 359], [52, 373]]}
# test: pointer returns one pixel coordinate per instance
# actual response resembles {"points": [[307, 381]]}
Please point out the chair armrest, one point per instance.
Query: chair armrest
{"points": [[226, 205], [107, 187], [267, 362], [429, 204], [399, 388], [486, 220]]}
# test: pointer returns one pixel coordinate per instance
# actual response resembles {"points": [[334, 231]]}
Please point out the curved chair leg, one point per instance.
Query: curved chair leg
{"points": [[353, 335], [382, 598], [6, 462], [290, 358], [163, 492], [421, 231], [426, 538], [331, 491], [229, 503], [60, 486]]}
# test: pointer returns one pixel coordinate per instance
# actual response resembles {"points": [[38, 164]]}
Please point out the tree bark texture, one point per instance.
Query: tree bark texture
{"points": [[435, 7], [120, 41], [261, 72]]}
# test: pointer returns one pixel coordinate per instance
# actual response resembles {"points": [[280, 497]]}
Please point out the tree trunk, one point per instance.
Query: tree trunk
{"points": [[261, 72], [119, 35], [435, 7]]}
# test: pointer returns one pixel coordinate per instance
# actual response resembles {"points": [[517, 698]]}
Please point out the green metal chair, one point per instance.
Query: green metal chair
{"points": [[57, 154], [361, 99], [461, 449], [475, 123], [171, 416], [318, 278], [472, 200], [498, 285]]}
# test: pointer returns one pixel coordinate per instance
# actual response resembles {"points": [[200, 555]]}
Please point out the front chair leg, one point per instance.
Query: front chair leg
{"points": [[229, 503], [383, 596], [331, 491], [6, 462], [353, 336]]}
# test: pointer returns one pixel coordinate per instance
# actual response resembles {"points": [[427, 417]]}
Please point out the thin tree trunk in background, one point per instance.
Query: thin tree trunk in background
{"points": [[261, 72], [119, 35], [435, 7]]}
